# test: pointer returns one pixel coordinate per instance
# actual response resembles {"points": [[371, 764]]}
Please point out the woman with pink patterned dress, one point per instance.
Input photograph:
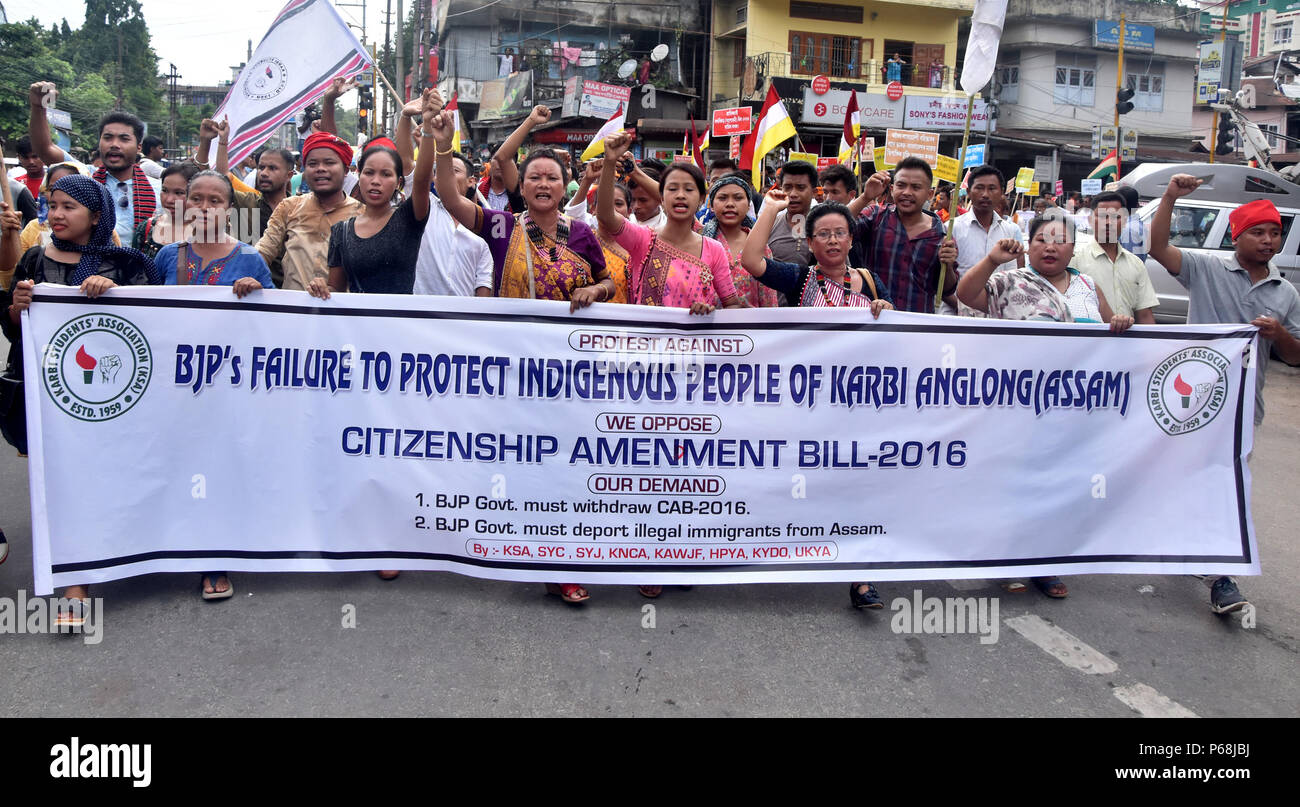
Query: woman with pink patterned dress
{"points": [[673, 266]]}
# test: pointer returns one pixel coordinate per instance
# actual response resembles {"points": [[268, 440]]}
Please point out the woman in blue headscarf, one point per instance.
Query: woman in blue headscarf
{"points": [[81, 253]]}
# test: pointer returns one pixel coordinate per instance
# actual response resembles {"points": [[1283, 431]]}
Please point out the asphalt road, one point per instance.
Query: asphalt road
{"points": [[443, 644]]}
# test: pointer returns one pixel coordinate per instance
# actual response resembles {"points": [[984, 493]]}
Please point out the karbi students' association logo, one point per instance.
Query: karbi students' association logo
{"points": [[265, 79], [97, 366], [1188, 389]]}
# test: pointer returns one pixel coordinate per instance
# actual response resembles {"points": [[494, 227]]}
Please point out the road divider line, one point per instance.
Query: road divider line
{"points": [[1065, 647], [1147, 702]]}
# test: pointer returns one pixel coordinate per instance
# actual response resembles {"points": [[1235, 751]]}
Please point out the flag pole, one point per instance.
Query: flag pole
{"points": [[396, 97], [952, 197]]}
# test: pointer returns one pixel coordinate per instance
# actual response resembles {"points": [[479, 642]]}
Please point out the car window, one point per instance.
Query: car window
{"points": [[1190, 227], [1287, 218]]}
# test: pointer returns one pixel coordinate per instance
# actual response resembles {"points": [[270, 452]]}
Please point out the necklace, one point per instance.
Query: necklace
{"points": [[538, 237], [845, 282]]}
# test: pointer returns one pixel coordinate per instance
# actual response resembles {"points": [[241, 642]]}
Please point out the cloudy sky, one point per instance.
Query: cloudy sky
{"points": [[203, 40]]}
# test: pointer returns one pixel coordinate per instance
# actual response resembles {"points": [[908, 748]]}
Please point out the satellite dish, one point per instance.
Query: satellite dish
{"points": [[627, 68], [659, 53]]}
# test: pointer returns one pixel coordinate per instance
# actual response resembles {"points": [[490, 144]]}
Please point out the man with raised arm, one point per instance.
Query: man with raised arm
{"points": [[1245, 288]]}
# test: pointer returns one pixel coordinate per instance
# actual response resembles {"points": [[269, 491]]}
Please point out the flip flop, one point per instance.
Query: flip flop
{"points": [[72, 616], [1013, 586], [1052, 586], [572, 593], [4, 547], [216, 595], [650, 591]]}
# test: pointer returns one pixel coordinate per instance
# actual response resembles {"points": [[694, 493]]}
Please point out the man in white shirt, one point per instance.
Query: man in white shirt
{"points": [[151, 151], [1120, 275], [453, 261], [978, 229]]}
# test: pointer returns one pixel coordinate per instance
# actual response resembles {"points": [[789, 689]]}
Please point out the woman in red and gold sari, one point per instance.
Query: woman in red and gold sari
{"points": [[540, 254]]}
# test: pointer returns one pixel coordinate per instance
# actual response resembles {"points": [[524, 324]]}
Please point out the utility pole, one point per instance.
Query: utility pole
{"points": [[1223, 66], [388, 49], [119, 67], [399, 50], [417, 53], [1119, 86], [171, 123]]}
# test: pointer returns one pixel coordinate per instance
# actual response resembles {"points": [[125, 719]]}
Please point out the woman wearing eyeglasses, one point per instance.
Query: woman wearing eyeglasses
{"points": [[828, 283]]}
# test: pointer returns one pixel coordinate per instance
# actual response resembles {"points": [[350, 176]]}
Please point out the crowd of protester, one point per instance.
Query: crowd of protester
{"points": [[408, 214]]}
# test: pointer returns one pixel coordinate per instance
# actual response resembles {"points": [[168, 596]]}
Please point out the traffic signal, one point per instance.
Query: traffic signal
{"points": [[1224, 145], [1122, 102], [363, 120]]}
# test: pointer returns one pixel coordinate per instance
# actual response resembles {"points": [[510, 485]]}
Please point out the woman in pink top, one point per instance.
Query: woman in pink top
{"points": [[673, 266]]}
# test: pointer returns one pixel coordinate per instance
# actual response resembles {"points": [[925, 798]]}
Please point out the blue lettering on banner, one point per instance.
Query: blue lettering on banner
{"points": [[200, 366]]}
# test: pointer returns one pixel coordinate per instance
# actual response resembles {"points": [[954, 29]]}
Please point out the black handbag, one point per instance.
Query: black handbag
{"points": [[13, 408]]}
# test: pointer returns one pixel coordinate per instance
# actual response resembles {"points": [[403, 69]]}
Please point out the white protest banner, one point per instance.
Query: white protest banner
{"points": [[180, 429]]}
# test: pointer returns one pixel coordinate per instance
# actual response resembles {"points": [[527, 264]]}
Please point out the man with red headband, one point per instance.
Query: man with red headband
{"points": [[1244, 288], [298, 233]]}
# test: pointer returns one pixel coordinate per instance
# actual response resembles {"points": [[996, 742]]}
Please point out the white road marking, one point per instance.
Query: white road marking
{"points": [[1067, 648], [1147, 702]]}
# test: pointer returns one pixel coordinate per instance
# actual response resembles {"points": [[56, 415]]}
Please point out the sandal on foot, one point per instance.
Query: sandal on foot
{"points": [[1052, 586], [71, 616], [571, 593], [4, 546], [210, 580], [1013, 586], [650, 591], [389, 574], [865, 599]]}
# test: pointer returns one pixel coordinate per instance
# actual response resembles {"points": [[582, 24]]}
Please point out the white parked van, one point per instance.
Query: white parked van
{"points": [[1200, 220]]}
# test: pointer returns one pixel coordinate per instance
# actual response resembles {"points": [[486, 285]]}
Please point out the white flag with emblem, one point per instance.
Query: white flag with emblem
{"points": [[305, 49]]}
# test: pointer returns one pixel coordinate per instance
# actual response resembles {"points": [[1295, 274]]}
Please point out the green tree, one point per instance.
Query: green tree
{"points": [[27, 59], [346, 121], [86, 102], [188, 119], [114, 42]]}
